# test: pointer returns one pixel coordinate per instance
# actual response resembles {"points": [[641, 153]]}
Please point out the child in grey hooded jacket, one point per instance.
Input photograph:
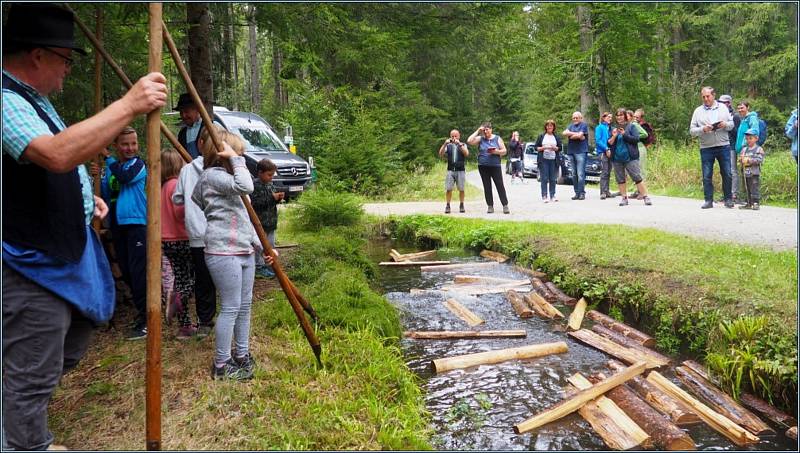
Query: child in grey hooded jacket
{"points": [[230, 245]]}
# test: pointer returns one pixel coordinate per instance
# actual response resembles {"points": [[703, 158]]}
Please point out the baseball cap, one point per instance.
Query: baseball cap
{"points": [[751, 131], [725, 98]]}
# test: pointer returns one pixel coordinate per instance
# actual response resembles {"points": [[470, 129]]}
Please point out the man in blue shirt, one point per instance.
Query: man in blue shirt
{"points": [[56, 280], [577, 134]]}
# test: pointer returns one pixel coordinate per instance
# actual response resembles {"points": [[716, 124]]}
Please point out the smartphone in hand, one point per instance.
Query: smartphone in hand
{"points": [[492, 150]]}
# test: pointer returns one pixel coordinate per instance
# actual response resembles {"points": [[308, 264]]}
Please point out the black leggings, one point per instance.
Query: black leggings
{"points": [[487, 175]]}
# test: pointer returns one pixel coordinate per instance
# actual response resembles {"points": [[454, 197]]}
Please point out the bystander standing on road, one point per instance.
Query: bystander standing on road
{"points": [[456, 153], [490, 149], [577, 135], [711, 122]]}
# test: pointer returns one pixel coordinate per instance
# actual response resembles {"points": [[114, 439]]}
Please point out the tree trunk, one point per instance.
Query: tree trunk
{"points": [[613, 324], [255, 86], [199, 20], [451, 267], [584, 17], [627, 342], [463, 313], [757, 404], [552, 312], [627, 355], [227, 45], [519, 306], [561, 295], [281, 96], [543, 290], [467, 279], [497, 356], [531, 272], [453, 334], [499, 257]]}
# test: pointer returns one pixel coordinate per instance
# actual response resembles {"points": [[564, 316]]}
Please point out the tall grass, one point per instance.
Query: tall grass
{"points": [[425, 184]]}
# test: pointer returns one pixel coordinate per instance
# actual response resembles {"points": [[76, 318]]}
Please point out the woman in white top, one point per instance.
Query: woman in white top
{"points": [[548, 145]]}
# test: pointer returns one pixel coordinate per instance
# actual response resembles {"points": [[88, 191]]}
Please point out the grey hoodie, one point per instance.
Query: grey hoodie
{"points": [[195, 220], [228, 227]]}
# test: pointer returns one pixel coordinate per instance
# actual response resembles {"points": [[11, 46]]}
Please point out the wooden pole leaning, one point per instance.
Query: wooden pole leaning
{"points": [[98, 106], [288, 287], [153, 373]]}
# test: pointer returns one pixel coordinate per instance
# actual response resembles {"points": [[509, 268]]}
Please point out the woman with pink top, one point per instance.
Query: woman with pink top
{"points": [[175, 245]]}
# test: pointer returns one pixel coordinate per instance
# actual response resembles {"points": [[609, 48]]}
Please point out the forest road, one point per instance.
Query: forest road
{"points": [[772, 227]]}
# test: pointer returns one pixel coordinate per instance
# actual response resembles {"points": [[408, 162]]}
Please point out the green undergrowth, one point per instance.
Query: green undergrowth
{"points": [[425, 184], [680, 290]]}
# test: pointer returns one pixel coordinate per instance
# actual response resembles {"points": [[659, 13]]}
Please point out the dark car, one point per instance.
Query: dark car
{"points": [[531, 169], [294, 173]]}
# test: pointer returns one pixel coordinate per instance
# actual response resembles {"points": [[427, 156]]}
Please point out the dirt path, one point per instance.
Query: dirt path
{"points": [[772, 227]]}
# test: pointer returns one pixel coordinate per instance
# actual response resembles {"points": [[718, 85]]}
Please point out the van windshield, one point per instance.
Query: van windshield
{"points": [[259, 137]]}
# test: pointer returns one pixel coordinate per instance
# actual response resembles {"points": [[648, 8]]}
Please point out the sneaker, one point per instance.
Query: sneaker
{"points": [[461, 208], [506, 210], [729, 204], [739, 201], [264, 272], [603, 196], [203, 330], [553, 199], [756, 207], [647, 201], [186, 332], [746, 206], [174, 307], [447, 209], [230, 370], [576, 197], [246, 363], [490, 210], [137, 332], [582, 196], [707, 205], [545, 200], [624, 202]]}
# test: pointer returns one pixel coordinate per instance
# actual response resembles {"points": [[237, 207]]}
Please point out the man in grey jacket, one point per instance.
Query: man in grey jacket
{"points": [[711, 123]]}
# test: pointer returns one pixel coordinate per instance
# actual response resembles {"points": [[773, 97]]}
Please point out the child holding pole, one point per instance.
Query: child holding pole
{"points": [[751, 157]]}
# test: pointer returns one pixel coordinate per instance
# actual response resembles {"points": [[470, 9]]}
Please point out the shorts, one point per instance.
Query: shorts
{"points": [[455, 178], [516, 167], [633, 169]]}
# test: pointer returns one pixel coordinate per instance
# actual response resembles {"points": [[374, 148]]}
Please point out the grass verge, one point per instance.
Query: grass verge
{"points": [[427, 184], [678, 289]]}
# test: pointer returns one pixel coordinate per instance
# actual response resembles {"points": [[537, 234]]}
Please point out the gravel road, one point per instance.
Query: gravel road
{"points": [[772, 227]]}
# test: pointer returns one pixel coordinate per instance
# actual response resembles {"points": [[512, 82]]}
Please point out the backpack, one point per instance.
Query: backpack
{"points": [[762, 132]]}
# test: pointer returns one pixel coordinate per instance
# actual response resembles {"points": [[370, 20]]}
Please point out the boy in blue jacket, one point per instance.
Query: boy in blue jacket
{"points": [[131, 220]]}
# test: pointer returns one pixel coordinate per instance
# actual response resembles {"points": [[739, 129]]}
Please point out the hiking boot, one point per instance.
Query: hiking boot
{"points": [[707, 205], [137, 332], [204, 330], [756, 207], [230, 370], [447, 209], [506, 210], [461, 207], [246, 363], [729, 204], [490, 210], [624, 202], [647, 201], [186, 332], [746, 206]]}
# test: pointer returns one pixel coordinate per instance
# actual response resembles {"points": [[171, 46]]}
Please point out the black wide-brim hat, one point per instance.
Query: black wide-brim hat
{"points": [[41, 24], [184, 100]]}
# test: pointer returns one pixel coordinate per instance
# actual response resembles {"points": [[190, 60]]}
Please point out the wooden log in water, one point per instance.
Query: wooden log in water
{"points": [[791, 433], [552, 312], [665, 435], [719, 422], [458, 266], [519, 305], [410, 256], [630, 332], [463, 312], [470, 279], [627, 355], [610, 422], [575, 402], [531, 272], [560, 295], [543, 290], [413, 263], [499, 257], [676, 411], [426, 292], [721, 402], [480, 289], [576, 318], [455, 334], [395, 255], [535, 307], [769, 411], [497, 356], [699, 369], [627, 342]]}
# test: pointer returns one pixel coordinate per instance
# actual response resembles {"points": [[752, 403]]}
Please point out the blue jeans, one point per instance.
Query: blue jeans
{"points": [[547, 177], [578, 162], [721, 154]]}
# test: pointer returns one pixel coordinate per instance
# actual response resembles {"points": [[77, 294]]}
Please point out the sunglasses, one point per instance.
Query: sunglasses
{"points": [[66, 59]]}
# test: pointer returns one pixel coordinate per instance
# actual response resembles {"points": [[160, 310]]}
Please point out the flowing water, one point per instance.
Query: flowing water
{"points": [[476, 408]]}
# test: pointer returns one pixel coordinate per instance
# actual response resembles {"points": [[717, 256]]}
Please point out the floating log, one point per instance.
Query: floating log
{"points": [[721, 402], [531, 272], [755, 403], [699, 369], [458, 266], [720, 423], [675, 410], [395, 255], [413, 263], [499, 257], [519, 305], [543, 290], [630, 332], [489, 280], [552, 312], [576, 318], [664, 434], [536, 307], [613, 425], [454, 334], [576, 401], [497, 356], [410, 256], [479, 289], [627, 342], [462, 312], [627, 355], [561, 295], [791, 433]]}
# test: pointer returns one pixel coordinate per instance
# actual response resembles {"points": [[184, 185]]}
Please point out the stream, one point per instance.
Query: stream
{"points": [[476, 408]]}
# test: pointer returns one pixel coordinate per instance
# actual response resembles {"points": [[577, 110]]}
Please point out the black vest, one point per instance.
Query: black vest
{"points": [[41, 209]]}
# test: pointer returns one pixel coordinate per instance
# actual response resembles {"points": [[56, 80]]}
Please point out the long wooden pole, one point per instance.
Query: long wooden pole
{"points": [[287, 286], [153, 382], [98, 104]]}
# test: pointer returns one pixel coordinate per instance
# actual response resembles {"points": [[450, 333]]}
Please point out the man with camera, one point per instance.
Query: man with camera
{"points": [[711, 122], [456, 153]]}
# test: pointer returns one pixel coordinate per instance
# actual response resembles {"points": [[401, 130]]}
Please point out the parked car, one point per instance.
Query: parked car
{"points": [[530, 168], [294, 173]]}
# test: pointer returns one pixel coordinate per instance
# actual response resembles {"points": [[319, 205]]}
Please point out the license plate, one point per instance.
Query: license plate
{"points": [[295, 188], [592, 178]]}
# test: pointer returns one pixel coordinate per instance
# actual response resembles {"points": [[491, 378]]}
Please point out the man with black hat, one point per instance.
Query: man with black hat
{"points": [[192, 123], [56, 280]]}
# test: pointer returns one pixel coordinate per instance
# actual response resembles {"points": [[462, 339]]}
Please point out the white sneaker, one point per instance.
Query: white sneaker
{"points": [[545, 200], [553, 199]]}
